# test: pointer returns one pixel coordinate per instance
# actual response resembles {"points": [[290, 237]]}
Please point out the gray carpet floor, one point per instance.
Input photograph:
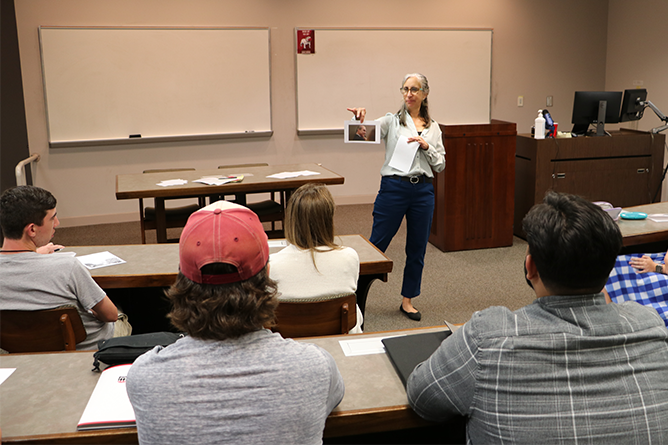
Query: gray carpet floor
{"points": [[454, 284]]}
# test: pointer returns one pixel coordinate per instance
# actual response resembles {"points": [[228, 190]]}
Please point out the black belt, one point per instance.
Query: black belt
{"points": [[415, 179]]}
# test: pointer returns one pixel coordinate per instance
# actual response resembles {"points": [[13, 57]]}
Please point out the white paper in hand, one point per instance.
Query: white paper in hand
{"points": [[404, 154]]}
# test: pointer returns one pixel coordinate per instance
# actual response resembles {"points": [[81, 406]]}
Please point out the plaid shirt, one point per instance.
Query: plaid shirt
{"points": [[648, 289], [563, 370]]}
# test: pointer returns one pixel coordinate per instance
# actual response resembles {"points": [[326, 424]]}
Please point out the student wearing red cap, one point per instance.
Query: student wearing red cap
{"points": [[230, 380]]}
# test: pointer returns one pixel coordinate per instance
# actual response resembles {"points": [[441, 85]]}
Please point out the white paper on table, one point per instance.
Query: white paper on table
{"points": [[404, 153], [5, 373], [308, 173], [286, 175], [277, 243], [101, 259], [215, 180], [658, 217], [169, 182], [364, 346]]}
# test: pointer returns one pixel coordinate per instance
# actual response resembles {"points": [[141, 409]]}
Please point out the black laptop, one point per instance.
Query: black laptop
{"points": [[407, 351]]}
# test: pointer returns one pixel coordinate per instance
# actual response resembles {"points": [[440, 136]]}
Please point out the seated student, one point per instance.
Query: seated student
{"points": [[567, 368], [230, 380], [640, 278], [312, 265], [33, 278]]}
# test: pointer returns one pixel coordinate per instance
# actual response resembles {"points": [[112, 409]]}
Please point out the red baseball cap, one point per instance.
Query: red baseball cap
{"points": [[223, 232]]}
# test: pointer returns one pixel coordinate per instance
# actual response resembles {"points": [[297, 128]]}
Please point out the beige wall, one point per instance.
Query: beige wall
{"points": [[636, 53], [540, 48]]}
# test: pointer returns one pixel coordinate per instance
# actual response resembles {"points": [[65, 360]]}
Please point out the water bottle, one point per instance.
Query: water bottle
{"points": [[539, 126]]}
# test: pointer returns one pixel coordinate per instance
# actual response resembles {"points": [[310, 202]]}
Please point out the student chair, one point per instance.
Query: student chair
{"points": [[174, 216], [268, 210], [58, 329], [309, 317]]}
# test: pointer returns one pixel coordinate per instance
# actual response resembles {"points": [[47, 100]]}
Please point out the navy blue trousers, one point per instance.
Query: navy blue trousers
{"points": [[396, 199]]}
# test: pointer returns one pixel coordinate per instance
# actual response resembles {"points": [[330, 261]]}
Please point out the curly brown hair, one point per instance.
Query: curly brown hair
{"points": [[222, 311]]}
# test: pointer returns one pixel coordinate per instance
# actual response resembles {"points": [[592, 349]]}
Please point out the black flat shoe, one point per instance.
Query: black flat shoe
{"points": [[417, 316]]}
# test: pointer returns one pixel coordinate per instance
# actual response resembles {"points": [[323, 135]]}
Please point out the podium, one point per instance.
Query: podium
{"points": [[476, 191]]}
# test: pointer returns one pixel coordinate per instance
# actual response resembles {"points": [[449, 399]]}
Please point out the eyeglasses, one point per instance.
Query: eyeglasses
{"points": [[406, 90]]}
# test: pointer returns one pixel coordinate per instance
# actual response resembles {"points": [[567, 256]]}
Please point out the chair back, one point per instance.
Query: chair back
{"points": [[175, 217], [311, 317], [257, 164], [58, 329], [166, 170], [269, 210]]}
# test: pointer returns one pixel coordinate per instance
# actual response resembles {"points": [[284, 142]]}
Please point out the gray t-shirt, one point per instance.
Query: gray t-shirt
{"points": [[259, 388], [31, 281]]}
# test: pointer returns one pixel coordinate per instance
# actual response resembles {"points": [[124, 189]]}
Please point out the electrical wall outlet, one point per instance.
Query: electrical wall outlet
{"points": [[520, 101], [548, 102]]}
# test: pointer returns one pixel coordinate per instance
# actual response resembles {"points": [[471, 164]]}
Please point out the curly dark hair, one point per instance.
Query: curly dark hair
{"points": [[23, 205], [222, 311]]}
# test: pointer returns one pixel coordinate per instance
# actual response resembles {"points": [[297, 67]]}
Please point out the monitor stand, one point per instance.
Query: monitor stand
{"points": [[600, 124]]}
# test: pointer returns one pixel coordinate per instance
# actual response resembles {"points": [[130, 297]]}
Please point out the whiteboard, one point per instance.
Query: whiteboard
{"points": [[365, 68], [102, 85]]}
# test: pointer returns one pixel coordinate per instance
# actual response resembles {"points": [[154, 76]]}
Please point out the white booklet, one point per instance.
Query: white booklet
{"points": [[109, 405]]}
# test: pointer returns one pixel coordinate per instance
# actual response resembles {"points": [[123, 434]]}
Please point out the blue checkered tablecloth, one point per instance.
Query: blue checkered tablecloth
{"points": [[649, 289]]}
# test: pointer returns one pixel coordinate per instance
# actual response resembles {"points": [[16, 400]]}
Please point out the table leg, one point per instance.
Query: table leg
{"points": [[160, 220], [363, 286]]}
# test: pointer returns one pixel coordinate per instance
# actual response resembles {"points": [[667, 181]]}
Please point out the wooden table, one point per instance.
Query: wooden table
{"points": [[645, 231], [44, 398], [144, 185], [156, 265]]}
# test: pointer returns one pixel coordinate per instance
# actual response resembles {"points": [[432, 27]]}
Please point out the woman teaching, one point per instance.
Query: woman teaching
{"points": [[408, 193]]}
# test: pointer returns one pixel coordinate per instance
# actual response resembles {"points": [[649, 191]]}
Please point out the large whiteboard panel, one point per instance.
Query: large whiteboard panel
{"points": [[105, 84], [365, 67]]}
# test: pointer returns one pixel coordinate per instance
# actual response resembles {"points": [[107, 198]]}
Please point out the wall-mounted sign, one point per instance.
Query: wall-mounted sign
{"points": [[305, 41]]}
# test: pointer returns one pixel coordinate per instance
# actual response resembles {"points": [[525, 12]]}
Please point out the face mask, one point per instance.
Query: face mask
{"points": [[525, 273]]}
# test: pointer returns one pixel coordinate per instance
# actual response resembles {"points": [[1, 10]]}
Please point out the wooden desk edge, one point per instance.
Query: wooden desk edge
{"points": [[102, 436], [124, 281], [644, 238], [365, 421]]}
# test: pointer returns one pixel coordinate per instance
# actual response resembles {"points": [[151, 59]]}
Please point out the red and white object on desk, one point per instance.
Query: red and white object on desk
{"points": [[109, 406]]}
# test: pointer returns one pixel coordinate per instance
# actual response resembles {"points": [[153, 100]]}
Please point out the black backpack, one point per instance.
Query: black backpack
{"points": [[123, 350]]}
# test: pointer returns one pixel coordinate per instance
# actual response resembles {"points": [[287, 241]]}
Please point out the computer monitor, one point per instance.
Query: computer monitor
{"points": [[587, 107], [633, 105]]}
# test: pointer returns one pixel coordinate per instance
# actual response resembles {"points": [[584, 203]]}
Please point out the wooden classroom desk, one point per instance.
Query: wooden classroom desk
{"points": [[156, 265], [144, 185], [645, 231], [42, 401]]}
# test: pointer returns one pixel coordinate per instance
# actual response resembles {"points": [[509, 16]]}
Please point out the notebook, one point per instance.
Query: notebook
{"points": [[109, 405], [407, 351]]}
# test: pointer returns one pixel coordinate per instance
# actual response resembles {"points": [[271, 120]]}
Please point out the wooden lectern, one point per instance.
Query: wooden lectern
{"points": [[476, 191]]}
